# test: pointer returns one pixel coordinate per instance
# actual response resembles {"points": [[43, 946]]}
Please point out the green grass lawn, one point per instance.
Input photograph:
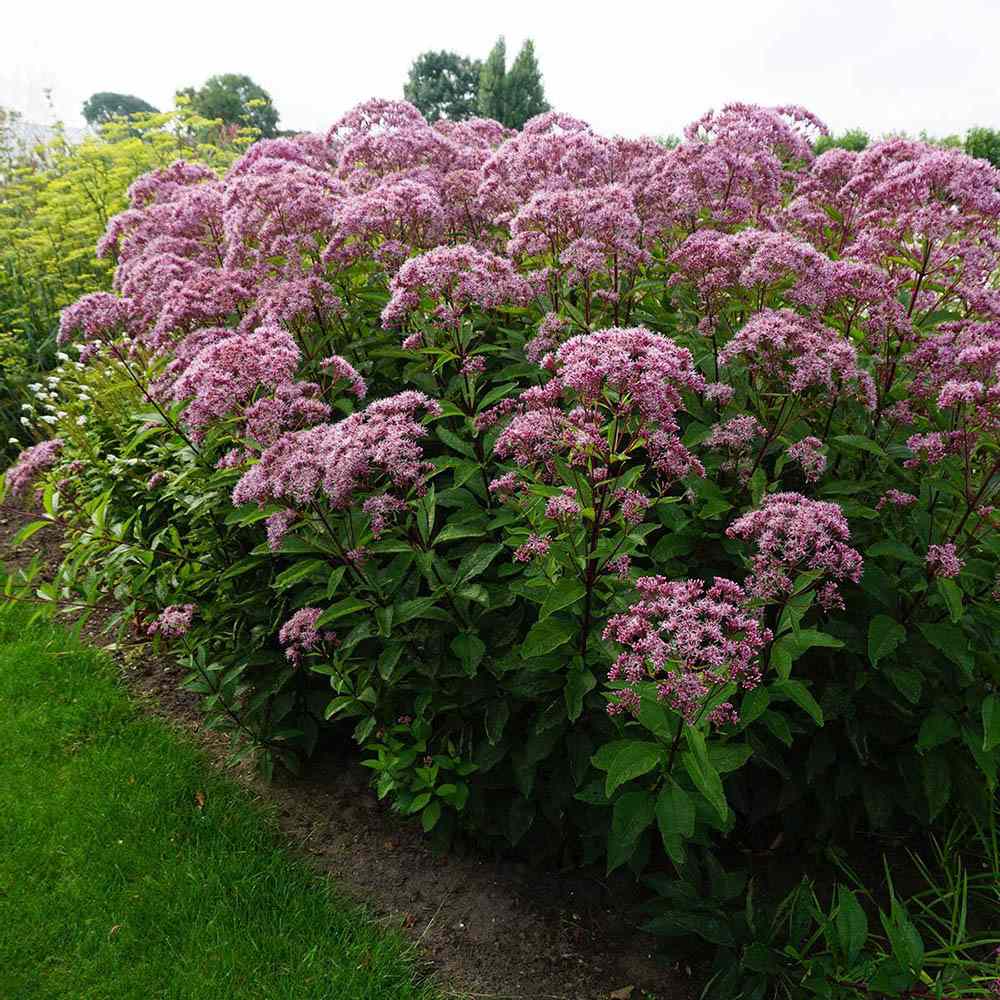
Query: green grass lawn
{"points": [[116, 883]]}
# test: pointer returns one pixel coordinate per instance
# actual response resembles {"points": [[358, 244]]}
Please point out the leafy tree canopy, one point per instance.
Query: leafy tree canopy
{"points": [[984, 143], [102, 107], [524, 95], [854, 139], [511, 96], [444, 85], [237, 100], [491, 83]]}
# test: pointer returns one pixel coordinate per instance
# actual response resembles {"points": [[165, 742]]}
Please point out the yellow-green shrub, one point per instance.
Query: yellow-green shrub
{"points": [[55, 201]]}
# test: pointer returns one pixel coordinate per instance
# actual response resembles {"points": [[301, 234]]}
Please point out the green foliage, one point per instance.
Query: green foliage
{"points": [[941, 941], [444, 85], [132, 869], [952, 141], [101, 108], [984, 143], [515, 95], [854, 140], [524, 96], [55, 203], [492, 96], [236, 100]]}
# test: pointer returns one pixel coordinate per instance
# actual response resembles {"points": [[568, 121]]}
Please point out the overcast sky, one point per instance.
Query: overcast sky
{"points": [[628, 67]]}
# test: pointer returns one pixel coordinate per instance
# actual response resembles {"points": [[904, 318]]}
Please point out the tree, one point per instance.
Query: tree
{"points": [[984, 143], [237, 100], [524, 96], [511, 97], [102, 107], [444, 85], [491, 81], [854, 140]]}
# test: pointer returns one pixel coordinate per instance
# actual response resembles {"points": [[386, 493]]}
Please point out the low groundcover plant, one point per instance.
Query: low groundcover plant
{"points": [[621, 501]]}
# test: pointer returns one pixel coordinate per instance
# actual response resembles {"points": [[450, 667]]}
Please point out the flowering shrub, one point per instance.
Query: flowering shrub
{"points": [[622, 498]]}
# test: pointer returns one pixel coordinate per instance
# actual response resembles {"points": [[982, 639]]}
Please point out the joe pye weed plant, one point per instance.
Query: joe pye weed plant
{"points": [[623, 503]]}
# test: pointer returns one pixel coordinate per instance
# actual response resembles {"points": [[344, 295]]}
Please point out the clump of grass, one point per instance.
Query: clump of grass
{"points": [[128, 869]]}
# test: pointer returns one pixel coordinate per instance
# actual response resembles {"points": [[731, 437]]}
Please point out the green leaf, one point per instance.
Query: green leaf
{"points": [[476, 562], [27, 531], [754, 705], [726, 757], [907, 945], [592, 794], [300, 571], [419, 607], [951, 641], [778, 726], [878, 584], [884, 635], [951, 594], [991, 722], [451, 532], [792, 645], [383, 618], [895, 549], [345, 607], [579, 681], [935, 730], [705, 777], [430, 815], [986, 760], [626, 759], [455, 442], [671, 546], [388, 660], [244, 565], [799, 693], [655, 717], [419, 802], [795, 610], [632, 813], [470, 649], [562, 595], [937, 782], [519, 819], [675, 814], [545, 636], [334, 579], [858, 443], [851, 925], [497, 714], [425, 513], [907, 681]]}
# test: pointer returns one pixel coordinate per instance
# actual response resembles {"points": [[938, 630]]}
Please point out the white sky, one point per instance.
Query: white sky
{"points": [[629, 67]]}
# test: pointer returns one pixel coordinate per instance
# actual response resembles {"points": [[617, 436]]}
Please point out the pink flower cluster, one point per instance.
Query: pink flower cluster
{"points": [[453, 278], [944, 561], [379, 445], [808, 453], [631, 377], [299, 634], [687, 638], [30, 464], [226, 373], [794, 535], [173, 621], [534, 548], [795, 354]]}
